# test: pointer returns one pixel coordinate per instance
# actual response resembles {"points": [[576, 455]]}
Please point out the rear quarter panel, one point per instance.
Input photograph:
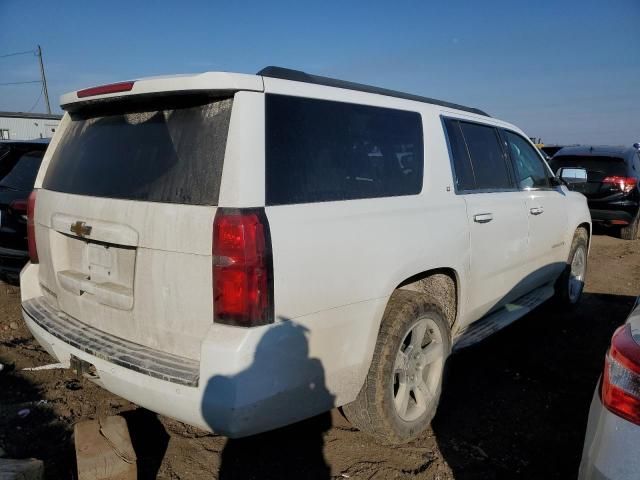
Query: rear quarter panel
{"points": [[337, 263]]}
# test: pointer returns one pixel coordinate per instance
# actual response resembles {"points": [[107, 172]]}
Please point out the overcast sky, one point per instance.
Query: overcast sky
{"points": [[567, 71]]}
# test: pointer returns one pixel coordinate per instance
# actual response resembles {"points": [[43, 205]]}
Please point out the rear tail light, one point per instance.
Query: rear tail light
{"points": [[19, 206], [621, 380], [242, 268], [104, 89], [31, 227], [625, 184]]}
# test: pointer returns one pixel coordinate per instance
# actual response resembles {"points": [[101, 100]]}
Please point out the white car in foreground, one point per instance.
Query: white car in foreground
{"points": [[240, 252], [612, 442]]}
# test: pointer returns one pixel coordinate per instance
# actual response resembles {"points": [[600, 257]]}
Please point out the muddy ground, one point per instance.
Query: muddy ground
{"points": [[513, 406]]}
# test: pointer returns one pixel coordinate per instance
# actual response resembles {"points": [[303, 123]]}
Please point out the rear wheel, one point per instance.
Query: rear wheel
{"points": [[402, 389], [571, 283], [630, 232]]}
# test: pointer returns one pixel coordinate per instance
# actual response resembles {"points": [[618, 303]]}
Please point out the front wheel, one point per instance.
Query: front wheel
{"points": [[570, 284], [402, 389]]}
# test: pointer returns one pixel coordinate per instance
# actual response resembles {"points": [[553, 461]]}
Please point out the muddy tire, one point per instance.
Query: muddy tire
{"points": [[631, 231], [570, 284], [402, 389]]}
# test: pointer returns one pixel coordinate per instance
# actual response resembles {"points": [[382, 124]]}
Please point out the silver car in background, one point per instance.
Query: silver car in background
{"points": [[612, 442]]}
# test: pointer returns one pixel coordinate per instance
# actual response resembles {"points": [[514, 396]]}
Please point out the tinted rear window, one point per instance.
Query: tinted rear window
{"points": [[464, 178], [595, 166], [23, 173], [487, 157], [318, 150], [171, 152]]}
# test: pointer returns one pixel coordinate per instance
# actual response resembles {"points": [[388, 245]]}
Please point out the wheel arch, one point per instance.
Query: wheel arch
{"points": [[587, 227], [443, 283]]}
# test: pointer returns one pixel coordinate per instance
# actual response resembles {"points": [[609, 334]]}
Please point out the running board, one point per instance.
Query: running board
{"points": [[478, 331]]}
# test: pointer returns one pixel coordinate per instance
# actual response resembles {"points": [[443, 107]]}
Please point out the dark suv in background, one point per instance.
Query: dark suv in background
{"points": [[19, 164], [613, 183]]}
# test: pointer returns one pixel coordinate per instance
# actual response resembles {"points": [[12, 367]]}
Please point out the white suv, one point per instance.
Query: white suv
{"points": [[240, 252]]}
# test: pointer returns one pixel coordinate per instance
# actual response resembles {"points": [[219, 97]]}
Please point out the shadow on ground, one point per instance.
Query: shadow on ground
{"points": [[612, 231], [26, 418], [516, 404], [149, 440]]}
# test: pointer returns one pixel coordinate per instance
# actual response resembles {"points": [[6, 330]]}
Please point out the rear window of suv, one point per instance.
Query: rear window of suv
{"points": [[169, 152], [320, 150], [596, 166]]}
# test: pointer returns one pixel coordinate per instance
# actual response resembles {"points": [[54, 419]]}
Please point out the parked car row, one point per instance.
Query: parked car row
{"points": [[240, 252]]}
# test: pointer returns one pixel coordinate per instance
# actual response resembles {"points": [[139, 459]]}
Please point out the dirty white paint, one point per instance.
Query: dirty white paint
{"points": [[335, 266]]}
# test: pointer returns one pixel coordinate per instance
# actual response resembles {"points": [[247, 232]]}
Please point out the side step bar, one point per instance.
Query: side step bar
{"points": [[478, 331]]}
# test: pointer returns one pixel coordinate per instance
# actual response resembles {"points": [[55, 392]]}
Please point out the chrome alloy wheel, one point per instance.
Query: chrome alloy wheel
{"points": [[577, 273], [418, 369]]}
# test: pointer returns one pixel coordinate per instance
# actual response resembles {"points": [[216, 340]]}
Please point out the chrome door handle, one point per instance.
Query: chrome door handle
{"points": [[536, 210], [483, 217]]}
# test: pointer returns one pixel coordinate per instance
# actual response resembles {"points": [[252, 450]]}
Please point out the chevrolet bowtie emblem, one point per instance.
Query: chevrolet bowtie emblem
{"points": [[81, 229]]}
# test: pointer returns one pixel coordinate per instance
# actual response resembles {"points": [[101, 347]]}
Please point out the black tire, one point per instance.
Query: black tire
{"points": [[563, 295], [631, 231], [374, 411]]}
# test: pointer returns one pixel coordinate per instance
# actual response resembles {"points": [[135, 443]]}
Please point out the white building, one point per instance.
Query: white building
{"points": [[27, 126]]}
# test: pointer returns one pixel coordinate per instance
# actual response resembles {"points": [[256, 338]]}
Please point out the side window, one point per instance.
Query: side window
{"points": [[529, 168], [320, 151], [487, 158], [463, 171]]}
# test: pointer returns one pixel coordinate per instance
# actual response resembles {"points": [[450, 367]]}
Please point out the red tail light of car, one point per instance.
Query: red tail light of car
{"points": [[625, 184], [621, 380], [242, 268], [19, 206], [31, 227]]}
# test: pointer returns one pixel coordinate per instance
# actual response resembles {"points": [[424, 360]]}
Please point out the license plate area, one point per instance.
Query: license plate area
{"points": [[100, 262], [96, 272]]}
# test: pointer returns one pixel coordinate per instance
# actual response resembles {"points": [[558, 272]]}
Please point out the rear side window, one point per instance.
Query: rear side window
{"points": [[463, 169], [319, 150], [163, 152], [598, 167], [487, 157], [23, 173]]}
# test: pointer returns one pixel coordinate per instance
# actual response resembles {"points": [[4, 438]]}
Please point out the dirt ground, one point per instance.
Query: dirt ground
{"points": [[513, 406]]}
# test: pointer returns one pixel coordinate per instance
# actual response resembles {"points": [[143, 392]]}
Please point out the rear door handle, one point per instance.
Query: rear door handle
{"points": [[536, 210], [483, 217]]}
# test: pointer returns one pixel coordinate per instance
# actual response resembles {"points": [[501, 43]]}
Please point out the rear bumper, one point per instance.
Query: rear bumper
{"points": [[247, 380], [621, 210], [12, 261], [608, 216], [610, 446]]}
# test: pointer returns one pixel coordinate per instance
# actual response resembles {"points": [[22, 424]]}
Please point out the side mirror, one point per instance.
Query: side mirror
{"points": [[573, 175]]}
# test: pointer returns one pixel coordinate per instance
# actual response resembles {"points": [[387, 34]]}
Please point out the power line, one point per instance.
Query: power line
{"points": [[17, 53], [37, 101], [43, 80], [19, 83]]}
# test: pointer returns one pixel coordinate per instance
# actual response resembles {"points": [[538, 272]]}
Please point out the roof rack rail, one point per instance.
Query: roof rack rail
{"points": [[299, 76]]}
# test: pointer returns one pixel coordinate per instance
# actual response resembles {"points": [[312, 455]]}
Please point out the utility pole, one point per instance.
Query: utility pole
{"points": [[44, 80]]}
